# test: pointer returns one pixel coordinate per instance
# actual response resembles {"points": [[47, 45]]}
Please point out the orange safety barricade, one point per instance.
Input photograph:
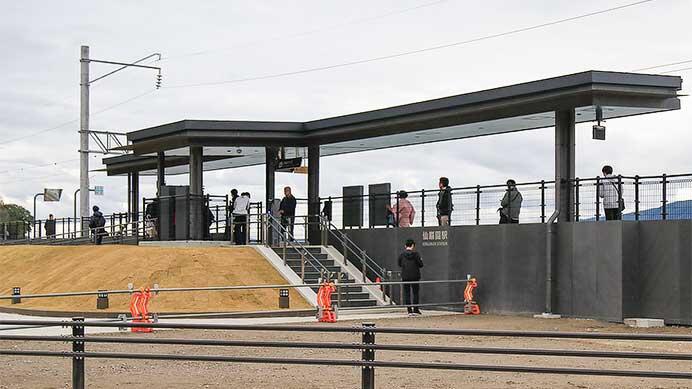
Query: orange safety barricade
{"points": [[139, 308], [325, 312], [471, 307]]}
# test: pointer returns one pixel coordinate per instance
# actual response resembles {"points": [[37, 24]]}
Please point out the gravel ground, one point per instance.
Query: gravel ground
{"points": [[33, 372]]}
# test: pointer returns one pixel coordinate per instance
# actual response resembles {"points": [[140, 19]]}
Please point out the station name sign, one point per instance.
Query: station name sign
{"points": [[435, 237], [289, 164]]}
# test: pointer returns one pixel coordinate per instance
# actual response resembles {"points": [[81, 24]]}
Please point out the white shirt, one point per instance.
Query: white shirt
{"points": [[241, 206], [608, 191]]}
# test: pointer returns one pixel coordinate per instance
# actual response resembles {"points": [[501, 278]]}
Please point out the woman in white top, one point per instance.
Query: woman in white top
{"points": [[609, 191]]}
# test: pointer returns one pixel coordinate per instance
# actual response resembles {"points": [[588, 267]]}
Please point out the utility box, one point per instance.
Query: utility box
{"points": [[284, 302], [102, 300], [379, 196], [352, 208]]}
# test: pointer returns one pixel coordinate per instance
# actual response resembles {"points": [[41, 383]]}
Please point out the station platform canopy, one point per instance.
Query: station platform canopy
{"points": [[527, 106]]}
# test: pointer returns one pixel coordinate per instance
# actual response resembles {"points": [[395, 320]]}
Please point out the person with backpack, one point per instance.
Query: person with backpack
{"points": [[510, 205], [96, 224], [609, 191], [444, 202], [410, 263]]}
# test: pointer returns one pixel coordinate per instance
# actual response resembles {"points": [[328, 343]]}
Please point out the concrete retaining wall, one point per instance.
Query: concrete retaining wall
{"points": [[603, 270]]}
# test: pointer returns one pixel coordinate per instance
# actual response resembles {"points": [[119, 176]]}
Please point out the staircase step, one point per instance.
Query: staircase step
{"points": [[352, 296], [289, 249], [358, 303], [296, 268], [296, 256], [296, 262]]}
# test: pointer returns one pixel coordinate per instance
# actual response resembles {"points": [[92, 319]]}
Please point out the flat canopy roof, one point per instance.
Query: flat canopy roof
{"points": [[519, 107]]}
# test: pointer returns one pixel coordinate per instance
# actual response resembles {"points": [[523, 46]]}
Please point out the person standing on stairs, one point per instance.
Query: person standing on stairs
{"points": [[410, 263]]}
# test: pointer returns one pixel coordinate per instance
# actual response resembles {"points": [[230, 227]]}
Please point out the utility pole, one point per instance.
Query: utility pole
{"points": [[85, 132], [84, 135]]}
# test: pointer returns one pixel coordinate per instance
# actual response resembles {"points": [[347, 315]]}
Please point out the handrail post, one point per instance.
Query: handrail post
{"points": [[478, 205], [664, 201], [302, 266], [576, 199], [598, 198], [620, 196], [284, 250], [338, 288], [368, 372], [542, 201], [364, 266], [636, 197], [422, 208], [78, 361]]}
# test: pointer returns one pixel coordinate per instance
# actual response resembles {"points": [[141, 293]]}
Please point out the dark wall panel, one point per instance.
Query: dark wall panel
{"points": [[665, 263]]}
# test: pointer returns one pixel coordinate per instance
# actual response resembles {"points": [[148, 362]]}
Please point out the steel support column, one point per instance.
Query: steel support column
{"points": [[134, 195], [314, 236], [160, 171], [196, 193], [271, 159], [564, 164]]}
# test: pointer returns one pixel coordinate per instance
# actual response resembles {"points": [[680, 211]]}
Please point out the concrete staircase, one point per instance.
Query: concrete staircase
{"points": [[351, 296]]}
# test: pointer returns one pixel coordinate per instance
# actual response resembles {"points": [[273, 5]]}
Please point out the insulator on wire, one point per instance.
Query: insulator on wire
{"points": [[158, 81]]}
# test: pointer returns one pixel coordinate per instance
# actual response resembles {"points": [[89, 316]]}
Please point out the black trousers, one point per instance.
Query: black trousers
{"points": [[409, 290], [613, 214], [239, 229]]}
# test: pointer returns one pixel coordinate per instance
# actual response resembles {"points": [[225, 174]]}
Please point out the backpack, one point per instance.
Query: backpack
{"points": [[100, 221]]}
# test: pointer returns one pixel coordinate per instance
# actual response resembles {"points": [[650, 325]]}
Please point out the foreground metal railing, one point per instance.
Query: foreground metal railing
{"points": [[367, 346]]}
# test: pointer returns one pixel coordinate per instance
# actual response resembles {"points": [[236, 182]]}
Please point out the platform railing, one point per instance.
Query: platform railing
{"points": [[655, 197], [368, 346]]}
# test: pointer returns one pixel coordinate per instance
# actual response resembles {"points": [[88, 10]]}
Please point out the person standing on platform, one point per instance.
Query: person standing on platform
{"points": [[229, 217], [609, 191], [410, 263], [403, 210], [287, 210], [50, 227], [241, 209], [510, 205], [444, 202], [96, 224]]}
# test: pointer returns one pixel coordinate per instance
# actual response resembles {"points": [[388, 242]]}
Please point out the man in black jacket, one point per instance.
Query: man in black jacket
{"points": [[410, 263], [287, 210], [96, 224], [444, 202]]}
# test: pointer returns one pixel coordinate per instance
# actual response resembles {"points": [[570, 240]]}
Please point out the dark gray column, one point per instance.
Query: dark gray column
{"points": [[134, 195], [564, 163], [314, 194], [272, 155], [196, 202], [160, 171], [271, 158]]}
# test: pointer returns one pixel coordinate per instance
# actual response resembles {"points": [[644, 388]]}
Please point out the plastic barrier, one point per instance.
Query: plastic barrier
{"points": [[325, 311], [139, 308], [471, 307]]}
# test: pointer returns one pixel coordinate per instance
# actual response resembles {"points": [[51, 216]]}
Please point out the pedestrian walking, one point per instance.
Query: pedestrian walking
{"points": [[287, 210], [444, 202], [96, 224], [403, 210], [50, 227], [609, 191], [410, 263], [510, 205]]}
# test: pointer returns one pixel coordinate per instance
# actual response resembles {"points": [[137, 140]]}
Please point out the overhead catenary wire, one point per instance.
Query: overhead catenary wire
{"points": [[412, 52], [307, 32], [108, 108], [662, 65]]}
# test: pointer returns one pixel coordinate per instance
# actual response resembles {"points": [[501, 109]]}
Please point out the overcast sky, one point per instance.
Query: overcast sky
{"points": [[221, 40]]}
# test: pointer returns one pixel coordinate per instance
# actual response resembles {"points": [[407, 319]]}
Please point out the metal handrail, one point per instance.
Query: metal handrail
{"points": [[289, 239], [364, 257], [87, 233]]}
